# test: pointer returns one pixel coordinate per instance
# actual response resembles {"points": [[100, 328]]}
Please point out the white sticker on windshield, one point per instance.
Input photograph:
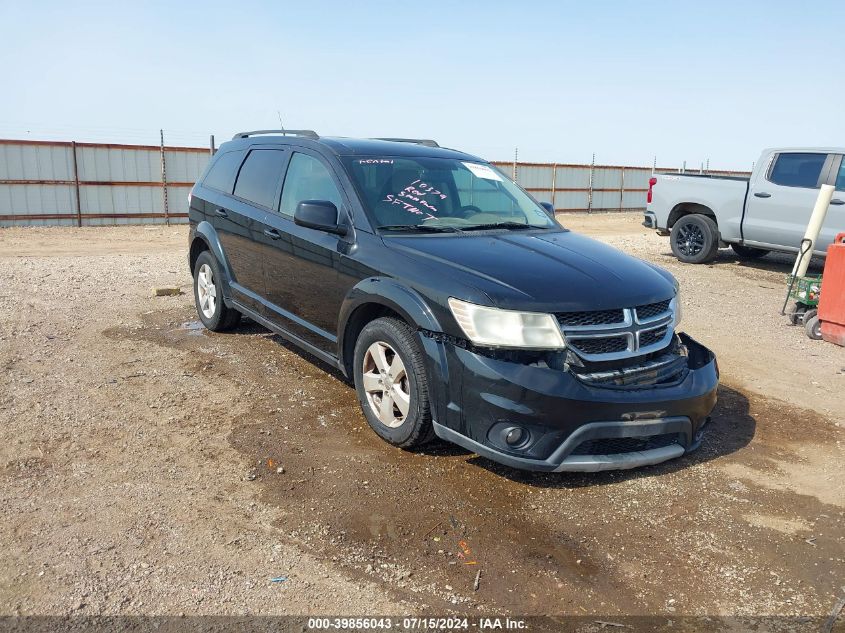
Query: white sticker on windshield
{"points": [[482, 171]]}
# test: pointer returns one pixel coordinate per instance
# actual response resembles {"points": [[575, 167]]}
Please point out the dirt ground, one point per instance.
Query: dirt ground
{"points": [[150, 467]]}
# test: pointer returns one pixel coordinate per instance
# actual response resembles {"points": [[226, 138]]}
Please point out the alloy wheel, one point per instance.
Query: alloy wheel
{"points": [[690, 239], [385, 382], [206, 291]]}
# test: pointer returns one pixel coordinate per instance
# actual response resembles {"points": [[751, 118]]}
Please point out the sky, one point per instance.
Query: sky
{"points": [[630, 82]]}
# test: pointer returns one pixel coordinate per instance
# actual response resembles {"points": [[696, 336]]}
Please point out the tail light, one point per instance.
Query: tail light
{"points": [[651, 182]]}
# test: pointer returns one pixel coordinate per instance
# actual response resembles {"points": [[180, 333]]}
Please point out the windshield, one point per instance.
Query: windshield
{"points": [[442, 193]]}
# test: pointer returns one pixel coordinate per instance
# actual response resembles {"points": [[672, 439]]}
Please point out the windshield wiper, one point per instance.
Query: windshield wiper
{"points": [[419, 228], [501, 225]]}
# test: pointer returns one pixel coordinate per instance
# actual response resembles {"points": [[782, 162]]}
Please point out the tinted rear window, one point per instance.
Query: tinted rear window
{"points": [[797, 170], [260, 176], [222, 174]]}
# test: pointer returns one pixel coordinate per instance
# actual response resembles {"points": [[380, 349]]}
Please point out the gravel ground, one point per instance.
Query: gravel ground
{"points": [[150, 467]]}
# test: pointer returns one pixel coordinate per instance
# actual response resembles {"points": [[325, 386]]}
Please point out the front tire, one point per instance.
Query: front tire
{"points": [[695, 239], [208, 295], [392, 384], [748, 252]]}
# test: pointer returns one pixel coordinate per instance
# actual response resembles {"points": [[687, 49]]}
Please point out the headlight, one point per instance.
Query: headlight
{"points": [[506, 328], [678, 310]]}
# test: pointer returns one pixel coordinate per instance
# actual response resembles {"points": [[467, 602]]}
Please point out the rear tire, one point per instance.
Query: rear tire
{"points": [[391, 383], [748, 252], [208, 295], [695, 239]]}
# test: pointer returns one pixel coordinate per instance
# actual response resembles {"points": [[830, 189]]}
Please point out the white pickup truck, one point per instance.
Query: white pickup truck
{"points": [[767, 212]]}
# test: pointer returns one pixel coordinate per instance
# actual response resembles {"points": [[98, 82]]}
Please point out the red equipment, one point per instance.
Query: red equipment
{"points": [[832, 300]]}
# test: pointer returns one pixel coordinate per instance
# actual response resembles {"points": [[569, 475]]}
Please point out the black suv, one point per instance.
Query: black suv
{"points": [[456, 303]]}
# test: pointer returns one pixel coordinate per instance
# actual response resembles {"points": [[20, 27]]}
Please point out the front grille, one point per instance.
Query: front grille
{"points": [[614, 334], [619, 445], [652, 336], [601, 317], [604, 345], [652, 310]]}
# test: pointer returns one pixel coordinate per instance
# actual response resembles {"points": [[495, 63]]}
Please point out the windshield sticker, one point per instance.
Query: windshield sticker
{"points": [[482, 171], [375, 161]]}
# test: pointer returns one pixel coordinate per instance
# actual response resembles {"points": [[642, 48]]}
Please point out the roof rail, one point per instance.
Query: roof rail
{"points": [[305, 133], [419, 141]]}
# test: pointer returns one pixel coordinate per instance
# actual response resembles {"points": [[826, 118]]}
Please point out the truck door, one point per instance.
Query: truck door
{"points": [[781, 199], [835, 221]]}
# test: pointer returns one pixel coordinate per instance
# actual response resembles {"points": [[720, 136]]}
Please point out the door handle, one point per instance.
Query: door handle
{"points": [[837, 201], [273, 234], [222, 213], [762, 194]]}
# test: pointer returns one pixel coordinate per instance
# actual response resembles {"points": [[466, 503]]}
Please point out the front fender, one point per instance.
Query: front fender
{"points": [[414, 309], [391, 294], [206, 232]]}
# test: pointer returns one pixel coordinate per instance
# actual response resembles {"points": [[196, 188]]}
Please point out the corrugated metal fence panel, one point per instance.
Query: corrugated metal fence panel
{"points": [[184, 166], [607, 178], [106, 164], [36, 162], [37, 200], [534, 177], [634, 200], [573, 177], [177, 202], [571, 200]]}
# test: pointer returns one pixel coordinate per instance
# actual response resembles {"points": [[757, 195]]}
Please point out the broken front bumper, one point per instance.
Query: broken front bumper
{"points": [[536, 417]]}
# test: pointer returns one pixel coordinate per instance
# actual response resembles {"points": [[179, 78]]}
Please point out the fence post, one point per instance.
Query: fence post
{"points": [[554, 184], [590, 190], [76, 184], [622, 190], [515, 158], [164, 180], [211, 148]]}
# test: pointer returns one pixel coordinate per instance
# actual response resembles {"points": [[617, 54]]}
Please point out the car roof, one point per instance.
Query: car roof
{"points": [[342, 146]]}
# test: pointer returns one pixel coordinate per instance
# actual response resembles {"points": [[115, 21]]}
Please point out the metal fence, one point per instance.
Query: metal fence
{"points": [[591, 188], [82, 184]]}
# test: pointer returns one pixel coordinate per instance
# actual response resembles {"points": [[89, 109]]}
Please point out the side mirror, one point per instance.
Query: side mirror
{"points": [[549, 207], [320, 215]]}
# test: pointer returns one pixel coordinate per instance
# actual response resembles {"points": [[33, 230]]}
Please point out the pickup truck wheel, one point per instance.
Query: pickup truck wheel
{"points": [[208, 295], [391, 383], [747, 252], [695, 239]]}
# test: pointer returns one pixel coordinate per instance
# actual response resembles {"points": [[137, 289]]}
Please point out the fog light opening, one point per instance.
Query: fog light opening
{"points": [[515, 436]]}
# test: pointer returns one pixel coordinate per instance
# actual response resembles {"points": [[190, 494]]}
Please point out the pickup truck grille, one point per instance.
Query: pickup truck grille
{"points": [[617, 334]]}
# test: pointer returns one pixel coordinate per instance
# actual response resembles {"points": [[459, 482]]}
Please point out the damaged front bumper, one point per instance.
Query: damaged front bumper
{"points": [[538, 417]]}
